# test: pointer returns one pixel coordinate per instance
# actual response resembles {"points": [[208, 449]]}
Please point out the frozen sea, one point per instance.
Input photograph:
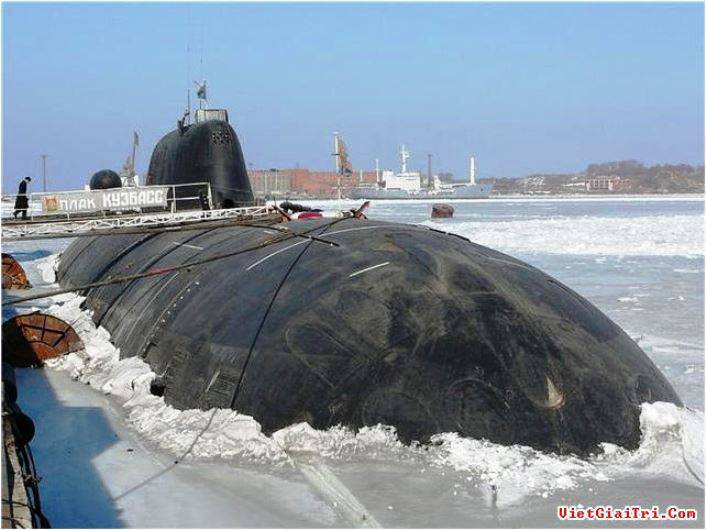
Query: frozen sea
{"points": [[113, 455]]}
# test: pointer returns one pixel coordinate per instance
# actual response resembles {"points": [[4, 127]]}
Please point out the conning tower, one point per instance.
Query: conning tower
{"points": [[207, 150]]}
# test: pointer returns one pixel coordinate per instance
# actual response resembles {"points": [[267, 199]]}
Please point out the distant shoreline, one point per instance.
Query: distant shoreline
{"points": [[682, 197]]}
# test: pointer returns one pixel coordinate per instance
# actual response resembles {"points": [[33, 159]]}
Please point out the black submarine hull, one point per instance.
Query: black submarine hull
{"points": [[203, 152], [399, 325]]}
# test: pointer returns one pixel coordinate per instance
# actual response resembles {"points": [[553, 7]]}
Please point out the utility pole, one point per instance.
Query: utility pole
{"points": [[339, 165], [429, 180], [135, 142], [273, 181], [44, 173]]}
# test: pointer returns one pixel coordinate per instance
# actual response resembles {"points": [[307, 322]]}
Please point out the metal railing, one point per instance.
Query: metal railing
{"points": [[177, 201], [98, 225], [173, 199]]}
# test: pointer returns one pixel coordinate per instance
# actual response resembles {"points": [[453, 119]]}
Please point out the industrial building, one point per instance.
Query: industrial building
{"points": [[306, 183]]}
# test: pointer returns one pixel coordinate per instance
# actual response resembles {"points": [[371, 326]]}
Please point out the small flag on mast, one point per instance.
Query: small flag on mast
{"points": [[135, 138], [201, 90]]}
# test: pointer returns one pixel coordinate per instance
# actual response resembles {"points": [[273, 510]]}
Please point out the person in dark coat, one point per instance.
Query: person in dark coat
{"points": [[22, 200]]}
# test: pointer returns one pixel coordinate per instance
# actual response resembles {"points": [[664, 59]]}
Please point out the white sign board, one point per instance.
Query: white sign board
{"points": [[111, 199]]}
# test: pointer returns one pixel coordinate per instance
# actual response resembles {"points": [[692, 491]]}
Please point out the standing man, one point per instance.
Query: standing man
{"points": [[22, 201]]}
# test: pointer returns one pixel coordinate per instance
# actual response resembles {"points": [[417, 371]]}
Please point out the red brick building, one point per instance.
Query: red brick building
{"points": [[306, 182]]}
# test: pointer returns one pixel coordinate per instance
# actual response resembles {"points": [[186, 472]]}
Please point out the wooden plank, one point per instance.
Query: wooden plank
{"points": [[16, 512]]}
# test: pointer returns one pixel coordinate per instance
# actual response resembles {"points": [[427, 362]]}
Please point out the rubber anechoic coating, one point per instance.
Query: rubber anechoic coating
{"points": [[398, 325], [204, 152], [105, 179]]}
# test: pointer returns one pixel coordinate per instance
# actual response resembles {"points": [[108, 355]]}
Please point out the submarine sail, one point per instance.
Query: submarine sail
{"points": [[207, 150]]}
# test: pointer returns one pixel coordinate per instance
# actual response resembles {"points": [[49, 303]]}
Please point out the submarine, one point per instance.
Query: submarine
{"points": [[357, 322]]}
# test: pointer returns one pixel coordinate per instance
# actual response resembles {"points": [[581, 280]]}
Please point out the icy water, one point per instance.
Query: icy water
{"points": [[113, 455]]}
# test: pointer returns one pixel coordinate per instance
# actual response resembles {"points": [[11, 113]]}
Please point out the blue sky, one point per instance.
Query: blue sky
{"points": [[525, 87]]}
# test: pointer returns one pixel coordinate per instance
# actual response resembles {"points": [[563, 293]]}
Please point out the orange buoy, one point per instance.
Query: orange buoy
{"points": [[29, 340], [13, 275]]}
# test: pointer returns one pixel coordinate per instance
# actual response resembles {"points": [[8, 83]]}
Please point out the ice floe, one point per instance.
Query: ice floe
{"points": [[673, 235]]}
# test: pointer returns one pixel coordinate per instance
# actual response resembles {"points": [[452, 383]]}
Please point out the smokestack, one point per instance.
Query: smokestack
{"points": [[473, 171], [404, 155], [377, 171]]}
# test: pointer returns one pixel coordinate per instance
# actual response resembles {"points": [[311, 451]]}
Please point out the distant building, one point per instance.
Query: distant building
{"points": [[270, 182], [606, 183], [302, 182]]}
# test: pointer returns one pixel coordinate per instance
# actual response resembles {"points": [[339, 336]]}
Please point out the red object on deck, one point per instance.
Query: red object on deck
{"points": [[309, 215], [31, 339], [13, 275]]}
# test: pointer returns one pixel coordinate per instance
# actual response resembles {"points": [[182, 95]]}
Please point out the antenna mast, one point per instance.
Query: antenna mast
{"points": [[135, 143], [201, 93], [201, 59], [44, 173], [188, 84]]}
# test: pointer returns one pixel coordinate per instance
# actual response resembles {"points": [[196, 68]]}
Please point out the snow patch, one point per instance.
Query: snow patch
{"points": [[47, 267], [671, 445], [516, 471], [377, 442], [186, 434], [669, 432]]}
